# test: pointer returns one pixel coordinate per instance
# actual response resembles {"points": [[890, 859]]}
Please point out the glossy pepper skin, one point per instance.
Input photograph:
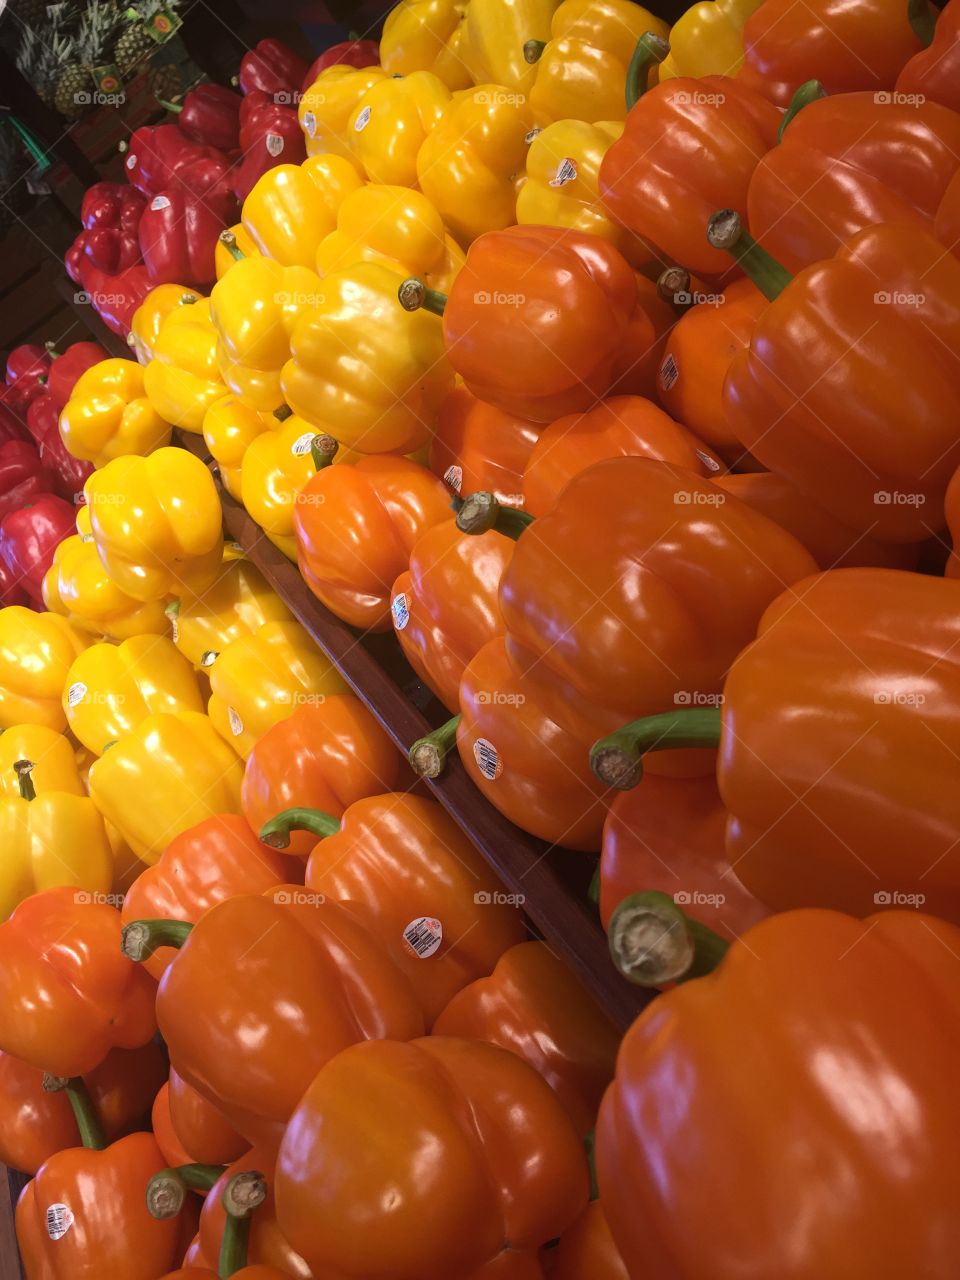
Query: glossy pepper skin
{"points": [[66, 368], [620, 426], [29, 538], [276, 465], [156, 523], [210, 116], [55, 767], [258, 680], [69, 474], [397, 859], [77, 586], [586, 1250], [110, 1231], [22, 475], [471, 167], [314, 982], [36, 650], [269, 130], [272, 67], [392, 120], [445, 605], [237, 604], [494, 35], [532, 1005], [831, 421], [934, 72], [787, 997], [111, 688], [355, 527], [696, 593], [425, 35], [708, 39], [26, 372], [847, 163], [68, 994], [326, 106], [108, 414], [189, 1129], [292, 207], [327, 755], [182, 379], [157, 153], [581, 73], [167, 775], [536, 319], [478, 447], [513, 1176], [707, 136], [37, 1123], [844, 46], [178, 234], [149, 317]]}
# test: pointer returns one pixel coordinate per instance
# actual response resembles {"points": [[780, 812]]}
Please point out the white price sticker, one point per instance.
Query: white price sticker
{"points": [[236, 724], [159, 202], [131, 161], [400, 610], [453, 478], [488, 759], [669, 373], [310, 123], [274, 144], [76, 693], [363, 119], [423, 936], [566, 172], [303, 444], [59, 1221]]}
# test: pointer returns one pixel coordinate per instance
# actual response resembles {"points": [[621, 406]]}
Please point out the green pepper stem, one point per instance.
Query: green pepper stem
{"points": [[175, 107], [283, 413], [651, 49], [23, 770], [167, 1190], [428, 755], [725, 231], [924, 22], [414, 295], [140, 938], [276, 832], [173, 609], [85, 1112], [229, 241], [51, 350], [652, 942], [533, 50], [323, 450], [188, 299], [244, 1193], [808, 92], [482, 511], [616, 759]]}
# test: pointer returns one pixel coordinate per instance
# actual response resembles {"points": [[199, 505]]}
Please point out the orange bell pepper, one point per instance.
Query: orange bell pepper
{"points": [[933, 74], [406, 872], [952, 512], [328, 755], [821, 396], [355, 527], [766, 1051], [471, 1154], [533, 1005], [67, 995], [586, 1250], [314, 982], [476, 446], [620, 426], [444, 606], [200, 867], [198, 1127]]}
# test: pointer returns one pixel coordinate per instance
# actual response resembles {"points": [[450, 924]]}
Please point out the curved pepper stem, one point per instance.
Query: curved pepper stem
{"points": [[283, 413], [244, 1193], [533, 51], [651, 49], [175, 107], [428, 755], [725, 231], [85, 1113], [51, 349], [924, 22], [481, 512], [141, 938], [616, 759], [652, 941], [229, 242], [808, 92], [414, 295], [23, 769], [167, 1190], [276, 832], [323, 450]]}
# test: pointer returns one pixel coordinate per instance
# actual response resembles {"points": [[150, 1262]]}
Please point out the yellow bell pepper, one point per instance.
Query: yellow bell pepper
{"points": [[425, 35], [275, 468], [50, 839], [494, 35], [83, 523], [77, 586], [259, 680], [292, 207], [127, 867], [397, 227], [472, 165], [237, 604], [170, 773], [361, 370], [229, 426], [581, 71], [390, 122], [708, 39], [328, 104], [36, 652], [157, 523], [182, 380], [224, 259], [55, 765], [112, 687], [258, 389], [108, 414], [149, 317]]}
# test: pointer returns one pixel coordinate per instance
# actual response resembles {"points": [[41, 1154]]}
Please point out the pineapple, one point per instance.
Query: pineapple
{"points": [[42, 53], [100, 21], [32, 13], [165, 81], [136, 44]]}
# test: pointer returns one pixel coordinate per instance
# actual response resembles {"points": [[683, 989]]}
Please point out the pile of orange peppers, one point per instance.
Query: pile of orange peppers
{"points": [[602, 377]]}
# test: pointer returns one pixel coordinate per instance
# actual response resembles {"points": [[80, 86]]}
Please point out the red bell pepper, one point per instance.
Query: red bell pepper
{"points": [[27, 371], [112, 250], [11, 592], [67, 368], [179, 233], [157, 153], [23, 477], [115, 298], [30, 535], [274, 68], [933, 74], [209, 116], [110, 214], [75, 259], [349, 53], [270, 134]]}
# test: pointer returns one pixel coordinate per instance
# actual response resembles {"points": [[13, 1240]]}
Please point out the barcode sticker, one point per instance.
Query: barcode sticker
{"points": [[488, 759], [310, 123], [274, 144], [159, 202], [423, 936], [710, 463], [566, 172], [236, 724], [669, 373], [131, 161], [400, 610], [453, 478], [303, 444], [76, 693], [59, 1221], [363, 119], [175, 628]]}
